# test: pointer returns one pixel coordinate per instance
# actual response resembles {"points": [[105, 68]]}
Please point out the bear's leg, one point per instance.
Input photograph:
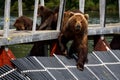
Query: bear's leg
{"points": [[82, 57], [71, 50], [62, 43]]}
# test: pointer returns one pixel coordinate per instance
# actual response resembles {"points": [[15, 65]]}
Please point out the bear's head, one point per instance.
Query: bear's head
{"points": [[77, 23], [19, 24], [23, 23], [44, 11]]}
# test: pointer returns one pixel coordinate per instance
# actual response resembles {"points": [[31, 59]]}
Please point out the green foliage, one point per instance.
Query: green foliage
{"points": [[15, 6], [52, 4], [72, 4], [90, 5]]}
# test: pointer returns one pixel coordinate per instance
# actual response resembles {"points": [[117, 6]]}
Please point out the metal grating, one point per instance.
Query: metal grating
{"points": [[102, 65], [7, 73]]}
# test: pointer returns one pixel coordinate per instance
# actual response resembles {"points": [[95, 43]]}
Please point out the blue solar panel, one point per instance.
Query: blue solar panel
{"points": [[8, 73], [102, 73], [83, 75], [115, 68], [102, 65], [117, 53], [106, 56], [92, 59]]}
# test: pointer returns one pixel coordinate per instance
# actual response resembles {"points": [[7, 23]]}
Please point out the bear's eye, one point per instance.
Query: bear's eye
{"points": [[81, 22], [75, 21]]}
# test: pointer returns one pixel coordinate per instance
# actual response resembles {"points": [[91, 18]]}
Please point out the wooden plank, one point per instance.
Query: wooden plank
{"points": [[119, 7], [16, 37], [96, 29], [35, 16], [42, 2], [103, 31], [102, 12], [20, 11], [6, 17], [61, 11], [81, 5]]}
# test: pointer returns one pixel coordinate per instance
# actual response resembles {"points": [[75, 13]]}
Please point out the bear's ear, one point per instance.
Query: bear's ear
{"points": [[71, 14], [86, 16], [41, 7]]}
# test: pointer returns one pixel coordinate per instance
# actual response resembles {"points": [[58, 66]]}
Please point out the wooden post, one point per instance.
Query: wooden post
{"points": [[119, 7], [45, 47], [81, 5], [35, 16], [60, 16], [6, 18], [42, 2], [102, 12], [100, 43], [20, 12], [115, 43]]}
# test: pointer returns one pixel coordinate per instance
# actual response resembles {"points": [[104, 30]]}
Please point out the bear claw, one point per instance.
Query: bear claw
{"points": [[80, 66]]}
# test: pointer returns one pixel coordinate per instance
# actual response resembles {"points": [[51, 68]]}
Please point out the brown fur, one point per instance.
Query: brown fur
{"points": [[48, 18], [23, 23], [48, 22], [75, 28]]}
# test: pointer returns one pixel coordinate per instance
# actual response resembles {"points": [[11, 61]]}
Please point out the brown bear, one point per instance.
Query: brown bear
{"points": [[48, 18], [48, 22], [23, 23], [75, 29]]}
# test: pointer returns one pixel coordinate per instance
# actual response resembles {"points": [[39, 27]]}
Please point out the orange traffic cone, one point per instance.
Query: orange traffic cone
{"points": [[5, 56], [55, 49]]}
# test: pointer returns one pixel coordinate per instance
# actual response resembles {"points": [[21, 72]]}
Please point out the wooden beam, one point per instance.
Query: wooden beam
{"points": [[35, 16], [81, 5], [6, 18], [42, 2], [103, 31], [102, 12], [61, 12], [20, 11], [119, 7], [17, 37]]}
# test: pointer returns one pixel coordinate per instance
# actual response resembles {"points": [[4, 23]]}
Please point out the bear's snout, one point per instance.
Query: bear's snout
{"points": [[77, 27]]}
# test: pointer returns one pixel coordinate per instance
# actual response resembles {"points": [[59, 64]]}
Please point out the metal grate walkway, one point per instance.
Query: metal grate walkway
{"points": [[102, 65]]}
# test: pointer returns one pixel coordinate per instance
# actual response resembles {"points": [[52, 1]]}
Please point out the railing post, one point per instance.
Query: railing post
{"points": [[102, 12], [61, 13], [35, 15], [20, 11], [42, 2], [6, 18], [119, 7], [81, 5]]}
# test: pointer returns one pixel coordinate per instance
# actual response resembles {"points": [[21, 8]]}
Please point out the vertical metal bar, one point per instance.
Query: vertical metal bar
{"points": [[35, 15], [20, 12], [102, 12], [81, 5], [42, 2], [61, 12], [6, 18], [45, 46], [119, 7]]}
